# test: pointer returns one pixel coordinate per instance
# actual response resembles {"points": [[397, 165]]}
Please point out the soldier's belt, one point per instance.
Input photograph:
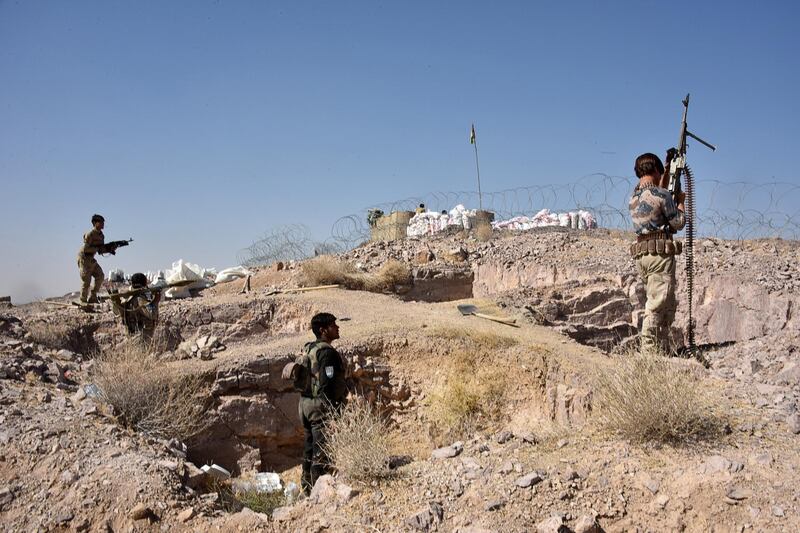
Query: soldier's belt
{"points": [[653, 236], [655, 246]]}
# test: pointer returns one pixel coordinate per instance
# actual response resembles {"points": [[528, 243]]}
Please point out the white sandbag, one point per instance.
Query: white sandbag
{"points": [[431, 222], [232, 273], [575, 219], [183, 271]]}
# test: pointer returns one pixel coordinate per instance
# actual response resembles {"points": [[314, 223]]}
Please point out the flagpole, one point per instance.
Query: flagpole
{"points": [[474, 140]]}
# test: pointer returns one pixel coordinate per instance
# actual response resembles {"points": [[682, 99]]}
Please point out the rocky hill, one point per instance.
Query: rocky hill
{"points": [[537, 454]]}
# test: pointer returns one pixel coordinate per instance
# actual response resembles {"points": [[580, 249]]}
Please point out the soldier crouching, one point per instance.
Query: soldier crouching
{"points": [[138, 311]]}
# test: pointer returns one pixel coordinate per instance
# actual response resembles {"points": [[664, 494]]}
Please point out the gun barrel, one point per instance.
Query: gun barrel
{"points": [[698, 139]]}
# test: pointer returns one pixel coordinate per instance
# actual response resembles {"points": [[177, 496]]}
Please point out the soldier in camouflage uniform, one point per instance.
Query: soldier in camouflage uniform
{"points": [[139, 311], [656, 216], [93, 242]]}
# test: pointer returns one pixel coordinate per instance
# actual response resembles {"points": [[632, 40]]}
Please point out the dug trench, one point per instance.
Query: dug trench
{"points": [[394, 355]]}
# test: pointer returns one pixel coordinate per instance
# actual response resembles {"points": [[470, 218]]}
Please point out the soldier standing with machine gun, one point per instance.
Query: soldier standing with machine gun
{"points": [[93, 243], [658, 209]]}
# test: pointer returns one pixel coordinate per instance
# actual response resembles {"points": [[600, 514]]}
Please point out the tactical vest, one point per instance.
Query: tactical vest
{"points": [[310, 362]]}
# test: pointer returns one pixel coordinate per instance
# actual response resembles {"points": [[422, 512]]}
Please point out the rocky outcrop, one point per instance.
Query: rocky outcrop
{"points": [[254, 422], [440, 284], [732, 309]]}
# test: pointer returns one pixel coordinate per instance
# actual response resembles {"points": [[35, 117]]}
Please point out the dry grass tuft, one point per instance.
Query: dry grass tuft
{"points": [[648, 398], [150, 395], [391, 274], [474, 338], [54, 336], [357, 442], [327, 270], [467, 397], [261, 502], [483, 232], [232, 498]]}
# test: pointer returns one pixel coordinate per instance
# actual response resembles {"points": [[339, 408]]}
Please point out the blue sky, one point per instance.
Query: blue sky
{"points": [[194, 127]]}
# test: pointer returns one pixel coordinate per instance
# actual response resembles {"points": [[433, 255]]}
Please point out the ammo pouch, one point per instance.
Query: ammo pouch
{"points": [[655, 246]]}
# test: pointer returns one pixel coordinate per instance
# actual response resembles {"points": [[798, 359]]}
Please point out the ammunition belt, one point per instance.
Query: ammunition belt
{"points": [[653, 236], [655, 246]]}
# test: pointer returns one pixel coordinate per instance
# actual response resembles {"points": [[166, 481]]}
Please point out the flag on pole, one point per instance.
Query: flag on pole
{"points": [[472, 135]]}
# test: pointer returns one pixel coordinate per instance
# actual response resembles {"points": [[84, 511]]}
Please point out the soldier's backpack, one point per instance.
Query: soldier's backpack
{"points": [[303, 372]]}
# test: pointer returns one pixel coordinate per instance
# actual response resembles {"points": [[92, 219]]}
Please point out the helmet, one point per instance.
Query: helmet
{"points": [[138, 280]]}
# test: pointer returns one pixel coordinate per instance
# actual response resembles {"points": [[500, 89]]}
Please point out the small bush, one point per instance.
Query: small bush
{"points": [[357, 442], [149, 395], [232, 498], [53, 336], [326, 270], [391, 274], [259, 501], [483, 232], [650, 398], [467, 397]]}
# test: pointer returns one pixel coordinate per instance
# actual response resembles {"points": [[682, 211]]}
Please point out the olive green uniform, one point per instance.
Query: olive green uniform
{"points": [[655, 218], [93, 242], [324, 396]]}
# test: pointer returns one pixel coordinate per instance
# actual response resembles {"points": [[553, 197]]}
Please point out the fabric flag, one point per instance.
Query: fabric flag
{"points": [[472, 135]]}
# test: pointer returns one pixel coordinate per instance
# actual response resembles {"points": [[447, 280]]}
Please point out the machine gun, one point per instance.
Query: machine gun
{"points": [[675, 164], [111, 247], [671, 180]]}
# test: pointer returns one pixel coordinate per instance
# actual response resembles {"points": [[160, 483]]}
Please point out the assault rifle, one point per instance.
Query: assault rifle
{"points": [[111, 247], [675, 164], [140, 290]]}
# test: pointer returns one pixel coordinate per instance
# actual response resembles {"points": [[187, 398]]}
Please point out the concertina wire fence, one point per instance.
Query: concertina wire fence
{"points": [[725, 210]]}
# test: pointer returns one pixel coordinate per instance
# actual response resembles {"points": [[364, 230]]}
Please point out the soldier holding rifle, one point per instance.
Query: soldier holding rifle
{"points": [[94, 243], [138, 308]]}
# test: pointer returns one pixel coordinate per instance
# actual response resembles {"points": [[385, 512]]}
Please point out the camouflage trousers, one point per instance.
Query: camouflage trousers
{"points": [[89, 268], [658, 274]]}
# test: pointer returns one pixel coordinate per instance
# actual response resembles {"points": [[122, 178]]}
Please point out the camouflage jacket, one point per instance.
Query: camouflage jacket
{"points": [[141, 312], [653, 209], [93, 242]]}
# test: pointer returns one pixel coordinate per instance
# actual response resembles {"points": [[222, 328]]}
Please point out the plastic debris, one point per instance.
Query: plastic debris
{"points": [[259, 482], [91, 390], [215, 471], [291, 492]]}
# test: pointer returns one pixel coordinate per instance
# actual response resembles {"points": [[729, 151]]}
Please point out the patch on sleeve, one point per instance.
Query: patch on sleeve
{"points": [[329, 371]]}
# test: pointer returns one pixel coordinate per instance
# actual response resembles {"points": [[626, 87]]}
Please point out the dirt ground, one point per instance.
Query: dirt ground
{"points": [[68, 465]]}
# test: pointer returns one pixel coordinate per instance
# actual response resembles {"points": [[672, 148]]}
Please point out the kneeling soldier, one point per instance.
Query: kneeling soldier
{"points": [[139, 310]]}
